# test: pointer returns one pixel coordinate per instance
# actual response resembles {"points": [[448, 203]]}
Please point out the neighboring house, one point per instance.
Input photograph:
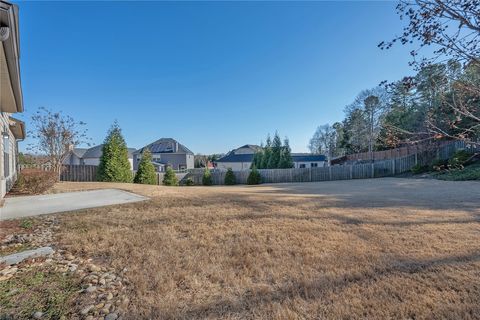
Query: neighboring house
{"points": [[11, 100], [91, 156], [241, 159], [167, 152]]}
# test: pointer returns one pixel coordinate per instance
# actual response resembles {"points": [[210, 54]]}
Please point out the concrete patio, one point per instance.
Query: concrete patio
{"points": [[19, 207]]}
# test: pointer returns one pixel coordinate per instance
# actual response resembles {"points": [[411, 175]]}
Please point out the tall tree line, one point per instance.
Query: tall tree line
{"points": [[274, 154]]}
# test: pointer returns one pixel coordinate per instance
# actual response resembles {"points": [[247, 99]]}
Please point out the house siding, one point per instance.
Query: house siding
{"points": [[7, 180]]}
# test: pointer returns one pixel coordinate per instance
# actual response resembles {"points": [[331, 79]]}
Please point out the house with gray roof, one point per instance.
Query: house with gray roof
{"points": [[167, 152], [242, 157], [90, 156]]}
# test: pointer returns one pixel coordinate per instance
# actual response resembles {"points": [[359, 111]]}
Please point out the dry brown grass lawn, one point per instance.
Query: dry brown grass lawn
{"points": [[372, 249]]}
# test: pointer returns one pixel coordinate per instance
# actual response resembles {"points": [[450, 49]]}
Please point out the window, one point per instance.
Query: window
{"points": [[302, 165], [313, 164], [6, 155]]}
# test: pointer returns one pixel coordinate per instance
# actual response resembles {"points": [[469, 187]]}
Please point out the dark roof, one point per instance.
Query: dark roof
{"points": [[251, 146], [296, 157], [166, 145], [95, 152], [305, 157], [79, 152], [231, 157]]}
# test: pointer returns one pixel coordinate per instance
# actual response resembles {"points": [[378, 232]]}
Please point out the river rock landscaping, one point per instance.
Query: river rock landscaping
{"points": [[81, 288]]}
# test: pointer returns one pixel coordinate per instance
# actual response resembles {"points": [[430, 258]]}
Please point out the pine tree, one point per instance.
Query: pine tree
{"points": [[114, 165], [230, 178], [146, 171], [267, 153], [207, 177], [286, 157], [170, 179], [254, 177], [274, 160]]}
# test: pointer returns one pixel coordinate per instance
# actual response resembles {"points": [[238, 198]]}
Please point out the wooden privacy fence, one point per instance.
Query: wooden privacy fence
{"points": [[382, 168], [398, 152], [377, 169]]}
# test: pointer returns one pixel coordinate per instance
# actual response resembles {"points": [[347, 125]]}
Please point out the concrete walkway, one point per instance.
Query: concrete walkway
{"points": [[19, 207]]}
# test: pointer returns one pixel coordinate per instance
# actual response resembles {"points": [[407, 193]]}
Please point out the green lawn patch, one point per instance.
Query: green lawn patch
{"points": [[37, 290], [471, 172]]}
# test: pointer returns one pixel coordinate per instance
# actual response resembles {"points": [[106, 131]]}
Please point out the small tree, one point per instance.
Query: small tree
{"points": [[170, 179], [207, 177], [286, 160], [114, 165], [230, 178], [55, 134], [146, 171], [254, 177]]}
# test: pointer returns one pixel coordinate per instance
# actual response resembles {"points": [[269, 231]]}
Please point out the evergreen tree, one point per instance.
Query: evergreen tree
{"points": [[286, 160], [207, 179], [267, 153], [254, 177], [274, 160], [230, 178], [170, 179], [146, 171], [114, 165]]}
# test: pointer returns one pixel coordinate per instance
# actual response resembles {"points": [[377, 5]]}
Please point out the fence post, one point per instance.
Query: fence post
{"points": [[351, 172], [394, 166], [310, 171], [373, 170]]}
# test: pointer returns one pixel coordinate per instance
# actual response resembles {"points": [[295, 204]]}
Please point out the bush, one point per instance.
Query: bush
{"points": [[439, 164], [418, 168], [146, 171], [189, 182], [170, 179], [230, 178], [459, 159], [35, 181], [207, 178], [254, 177], [471, 172]]}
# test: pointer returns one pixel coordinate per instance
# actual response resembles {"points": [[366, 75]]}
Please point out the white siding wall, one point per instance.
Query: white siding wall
{"points": [[5, 181], [235, 166], [308, 164]]}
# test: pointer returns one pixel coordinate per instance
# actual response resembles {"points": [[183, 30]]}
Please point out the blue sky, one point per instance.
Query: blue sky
{"points": [[213, 75]]}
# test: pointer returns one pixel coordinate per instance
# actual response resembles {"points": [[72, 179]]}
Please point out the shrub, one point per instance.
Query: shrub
{"points": [[189, 182], [439, 164], [254, 177], [170, 179], [146, 171], [459, 159], [35, 181], [471, 172], [418, 168], [230, 178], [207, 177]]}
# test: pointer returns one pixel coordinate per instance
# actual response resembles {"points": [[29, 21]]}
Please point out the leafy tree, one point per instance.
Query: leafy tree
{"points": [[170, 178], [286, 160], [452, 29], [207, 179], [146, 171], [230, 178], [254, 177], [114, 165]]}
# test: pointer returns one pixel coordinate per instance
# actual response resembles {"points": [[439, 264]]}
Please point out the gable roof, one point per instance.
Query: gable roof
{"points": [[232, 157], [166, 145], [95, 152]]}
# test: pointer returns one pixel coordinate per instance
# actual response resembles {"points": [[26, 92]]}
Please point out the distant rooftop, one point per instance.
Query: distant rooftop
{"points": [[166, 145]]}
